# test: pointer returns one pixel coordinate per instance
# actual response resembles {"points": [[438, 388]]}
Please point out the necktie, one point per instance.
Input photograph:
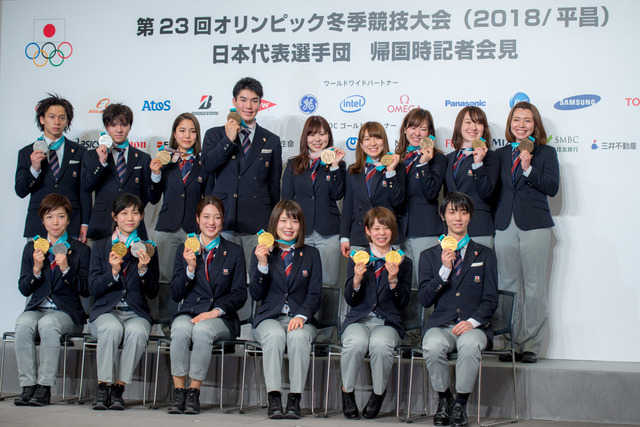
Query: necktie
{"points": [[121, 165], [378, 265], [185, 167], [461, 156], [246, 144], [208, 257], [52, 262], [457, 266], [287, 261], [314, 169], [371, 170], [55, 165], [409, 158], [515, 161]]}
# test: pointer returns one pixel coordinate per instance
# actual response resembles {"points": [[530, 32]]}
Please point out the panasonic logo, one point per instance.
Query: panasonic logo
{"points": [[352, 104], [577, 102], [478, 103]]}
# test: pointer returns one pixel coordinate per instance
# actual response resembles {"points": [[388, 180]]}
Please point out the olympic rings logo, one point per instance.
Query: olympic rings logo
{"points": [[50, 57]]}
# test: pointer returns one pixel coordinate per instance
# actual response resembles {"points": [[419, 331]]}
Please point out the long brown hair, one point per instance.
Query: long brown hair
{"points": [[185, 116], [375, 130], [314, 124], [538, 128], [292, 210], [477, 116], [414, 118]]}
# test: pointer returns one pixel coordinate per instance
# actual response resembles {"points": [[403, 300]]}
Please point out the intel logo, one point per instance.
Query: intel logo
{"points": [[577, 102], [352, 104], [518, 97]]}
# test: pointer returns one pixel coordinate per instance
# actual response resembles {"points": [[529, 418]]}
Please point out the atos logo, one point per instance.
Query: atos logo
{"points": [[351, 143], [308, 104], [352, 104], [100, 106], [518, 97], [265, 105], [577, 102], [156, 106], [403, 107], [205, 102]]}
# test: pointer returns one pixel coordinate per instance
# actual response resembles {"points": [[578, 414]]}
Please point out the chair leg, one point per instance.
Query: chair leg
{"points": [[4, 342], [398, 385], [515, 396], [84, 352], [155, 386]]}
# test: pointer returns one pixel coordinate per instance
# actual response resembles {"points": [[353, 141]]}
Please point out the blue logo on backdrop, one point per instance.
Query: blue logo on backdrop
{"points": [[156, 106], [577, 102], [352, 104], [351, 143], [518, 97], [308, 104]]}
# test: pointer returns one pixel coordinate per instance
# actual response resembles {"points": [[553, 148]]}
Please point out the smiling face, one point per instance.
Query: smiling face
{"points": [[470, 130], [185, 135], [317, 141], [247, 103], [457, 221], [288, 227], [372, 146], [128, 219], [55, 222], [415, 133], [54, 121], [380, 235], [210, 222], [522, 124]]}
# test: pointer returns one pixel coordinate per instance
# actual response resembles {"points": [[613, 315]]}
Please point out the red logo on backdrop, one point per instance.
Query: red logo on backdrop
{"points": [[161, 144], [100, 106], [633, 101], [264, 105], [49, 45], [448, 142], [403, 107], [138, 144]]}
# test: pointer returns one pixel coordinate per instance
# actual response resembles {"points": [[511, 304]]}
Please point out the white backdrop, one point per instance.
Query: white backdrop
{"points": [[332, 58]]}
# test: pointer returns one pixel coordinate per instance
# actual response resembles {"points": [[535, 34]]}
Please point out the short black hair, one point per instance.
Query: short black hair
{"points": [[125, 200], [115, 112], [248, 83], [53, 99], [459, 201]]}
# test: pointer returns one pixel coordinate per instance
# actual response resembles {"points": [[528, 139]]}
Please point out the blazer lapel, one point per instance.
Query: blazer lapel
{"points": [[323, 170], [132, 162], [194, 171], [217, 262], [375, 181], [254, 150], [298, 255], [469, 257], [276, 262]]}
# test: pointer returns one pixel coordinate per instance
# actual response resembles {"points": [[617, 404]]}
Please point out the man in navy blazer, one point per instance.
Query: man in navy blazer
{"points": [[39, 174], [246, 160], [462, 285], [100, 172]]}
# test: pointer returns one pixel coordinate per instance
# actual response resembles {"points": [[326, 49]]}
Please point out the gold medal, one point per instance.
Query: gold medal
{"points": [[193, 243], [120, 249], [151, 250], [449, 242], [386, 160], [526, 145], [426, 142], [42, 244], [393, 256], [478, 143], [234, 116], [328, 156], [266, 239], [360, 257], [164, 157]]}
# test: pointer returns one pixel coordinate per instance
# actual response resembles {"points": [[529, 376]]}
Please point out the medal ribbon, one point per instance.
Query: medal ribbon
{"points": [[208, 253], [287, 242], [461, 243]]}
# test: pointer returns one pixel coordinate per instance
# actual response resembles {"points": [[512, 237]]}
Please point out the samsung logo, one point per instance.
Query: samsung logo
{"points": [[577, 102], [352, 104]]}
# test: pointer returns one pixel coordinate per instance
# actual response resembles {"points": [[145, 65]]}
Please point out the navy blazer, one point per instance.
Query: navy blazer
{"points": [[527, 200], [318, 200], [108, 292], [68, 185], [249, 187], [473, 294], [420, 212], [180, 201], [226, 288], [480, 185], [386, 302], [65, 291], [105, 183], [385, 192], [302, 290]]}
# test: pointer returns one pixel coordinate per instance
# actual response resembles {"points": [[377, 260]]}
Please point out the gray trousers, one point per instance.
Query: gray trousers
{"points": [[273, 337], [484, 240], [412, 247], [522, 268], [248, 242], [203, 334], [329, 248], [110, 329], [163, 307], [369, 334], [440, 341], [49, 325]]}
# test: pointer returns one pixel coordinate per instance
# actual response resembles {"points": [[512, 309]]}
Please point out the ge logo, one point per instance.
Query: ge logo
{"points": [[308, 104], [351, 143]]}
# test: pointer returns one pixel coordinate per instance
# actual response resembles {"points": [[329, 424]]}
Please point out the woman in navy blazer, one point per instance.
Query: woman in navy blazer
{"points": [[370, 184], [523, 224], [376, 292], [474, 171], [182, 184], [287, 280], [55, 283], [121, 286], [420, 222], [211, 286], [317, 187]]}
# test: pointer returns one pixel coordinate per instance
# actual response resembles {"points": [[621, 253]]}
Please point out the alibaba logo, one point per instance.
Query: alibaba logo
{"points": [[103, 103]]}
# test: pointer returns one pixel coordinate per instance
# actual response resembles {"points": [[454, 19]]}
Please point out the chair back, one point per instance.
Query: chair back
{"points": [[247, 312], [329, 314], [503, 317], [413, 313]]}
